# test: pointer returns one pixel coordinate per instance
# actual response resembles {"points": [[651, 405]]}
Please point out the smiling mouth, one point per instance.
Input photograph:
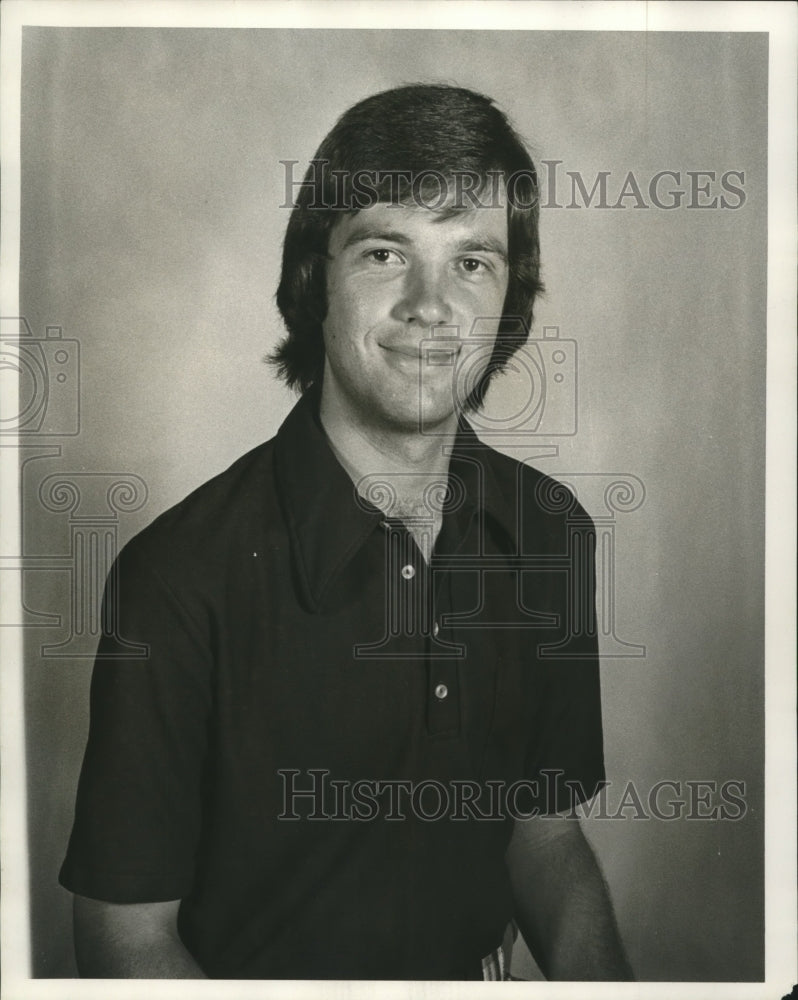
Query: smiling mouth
{"points": [[439, 353]]}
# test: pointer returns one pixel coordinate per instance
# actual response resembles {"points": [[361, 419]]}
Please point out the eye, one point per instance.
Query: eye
{"points": [[473, 265], [382, 255]]}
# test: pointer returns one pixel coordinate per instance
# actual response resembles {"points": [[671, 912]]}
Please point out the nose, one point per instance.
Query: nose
{"points": [[424, 299]]}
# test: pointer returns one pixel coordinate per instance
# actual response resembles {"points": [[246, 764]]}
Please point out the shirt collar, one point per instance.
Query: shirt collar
{"points": [[328, 522]]}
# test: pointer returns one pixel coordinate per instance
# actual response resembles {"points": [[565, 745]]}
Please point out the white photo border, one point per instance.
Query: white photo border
{"points": [[779, 21]]}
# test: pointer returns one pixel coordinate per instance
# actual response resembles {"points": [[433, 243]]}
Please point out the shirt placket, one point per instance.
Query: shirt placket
{"points": [[443, 663], [418, 602]]}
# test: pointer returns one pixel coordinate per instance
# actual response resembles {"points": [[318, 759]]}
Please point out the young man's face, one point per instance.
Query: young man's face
{"points": [[395, 273]]}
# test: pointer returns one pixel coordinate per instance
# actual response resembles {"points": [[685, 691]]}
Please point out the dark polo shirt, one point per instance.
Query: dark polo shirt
{"points": [[324, 744]]}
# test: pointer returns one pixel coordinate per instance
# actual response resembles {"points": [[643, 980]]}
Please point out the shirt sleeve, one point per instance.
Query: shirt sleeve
{"points": [[565, 754], [138, 809]]}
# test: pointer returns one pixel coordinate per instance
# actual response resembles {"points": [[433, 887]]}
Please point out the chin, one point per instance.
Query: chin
{"points": [[407, 417], [435, 418]]}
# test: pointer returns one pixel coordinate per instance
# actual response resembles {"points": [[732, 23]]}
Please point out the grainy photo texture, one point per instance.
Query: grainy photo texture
{"points": [[391, 435]]}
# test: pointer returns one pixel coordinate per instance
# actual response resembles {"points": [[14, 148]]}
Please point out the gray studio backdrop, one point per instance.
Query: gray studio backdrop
{"points": [[152, 218]]}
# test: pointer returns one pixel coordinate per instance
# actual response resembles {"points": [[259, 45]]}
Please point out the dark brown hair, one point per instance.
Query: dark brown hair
{"points": [[378, 151]]}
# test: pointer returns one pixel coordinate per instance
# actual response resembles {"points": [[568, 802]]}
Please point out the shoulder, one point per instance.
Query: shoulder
{"points": [[537, 495], [212, 519]]}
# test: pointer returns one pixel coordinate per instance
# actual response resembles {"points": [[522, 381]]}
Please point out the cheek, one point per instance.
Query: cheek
{"points": [[498, 296], [338, 320], [354, 310], [342, 301], [486, 300], [478, 316], [344, 329]]}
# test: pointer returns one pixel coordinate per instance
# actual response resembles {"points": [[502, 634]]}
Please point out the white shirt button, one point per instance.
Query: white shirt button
{"points": [[408, 572], [435, 630], [441, 691]]}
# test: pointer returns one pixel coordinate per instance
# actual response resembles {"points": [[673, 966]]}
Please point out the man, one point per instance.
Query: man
{"points": [[365, 714]]}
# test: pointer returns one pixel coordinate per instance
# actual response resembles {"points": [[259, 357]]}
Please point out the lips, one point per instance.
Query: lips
{"points": [[434, 346]]}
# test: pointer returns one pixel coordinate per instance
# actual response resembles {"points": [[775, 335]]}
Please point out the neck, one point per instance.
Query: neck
{"points": [[396, 470]]}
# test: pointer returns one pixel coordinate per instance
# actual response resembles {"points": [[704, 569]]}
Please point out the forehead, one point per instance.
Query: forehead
{"points": [[401, 222]]}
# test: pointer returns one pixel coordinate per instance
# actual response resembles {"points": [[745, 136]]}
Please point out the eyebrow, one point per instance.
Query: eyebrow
{"points": [[479, 244], [484, 244], [375, 233]]}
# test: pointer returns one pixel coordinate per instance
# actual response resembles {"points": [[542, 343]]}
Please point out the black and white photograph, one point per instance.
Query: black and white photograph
{"points": [[397, 437]]}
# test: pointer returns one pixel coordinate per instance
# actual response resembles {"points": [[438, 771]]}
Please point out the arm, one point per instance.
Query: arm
{"points": [[130, 941], [562, 906], [139, 804]]}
